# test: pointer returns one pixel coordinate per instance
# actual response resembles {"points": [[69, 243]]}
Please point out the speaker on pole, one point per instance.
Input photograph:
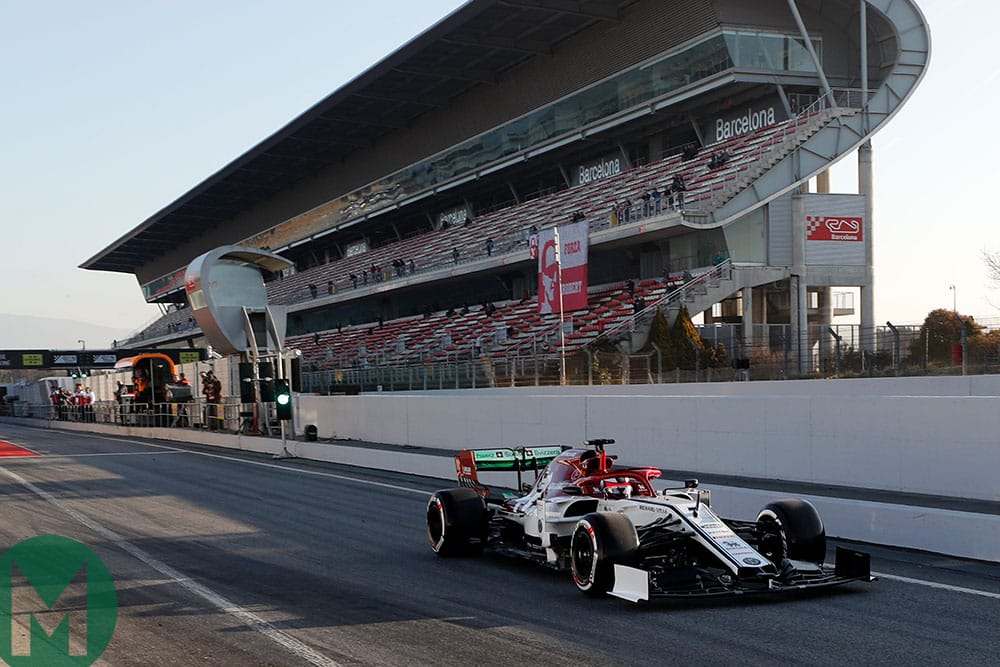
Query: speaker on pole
{"points": [[266, 369], [246, 383], [297, 374]]}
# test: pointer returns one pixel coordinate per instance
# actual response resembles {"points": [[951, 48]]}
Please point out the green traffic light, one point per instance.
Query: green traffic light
{"points": [[283, 398]]}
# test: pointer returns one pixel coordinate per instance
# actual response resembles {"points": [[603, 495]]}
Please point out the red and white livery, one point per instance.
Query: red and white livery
{"points": [[619, 535]]}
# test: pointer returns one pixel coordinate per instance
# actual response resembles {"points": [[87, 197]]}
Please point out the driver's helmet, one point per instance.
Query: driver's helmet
{"points": [[617, 488]]}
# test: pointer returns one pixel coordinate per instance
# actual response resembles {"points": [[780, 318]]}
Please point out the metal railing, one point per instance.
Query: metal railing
{"points": [[229, 416]]}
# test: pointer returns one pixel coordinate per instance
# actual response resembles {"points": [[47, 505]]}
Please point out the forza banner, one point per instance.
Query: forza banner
{"points": [[572, 255]]}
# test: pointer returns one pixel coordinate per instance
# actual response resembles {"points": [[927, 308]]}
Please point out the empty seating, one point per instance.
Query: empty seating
{"points": [[514, 327]]}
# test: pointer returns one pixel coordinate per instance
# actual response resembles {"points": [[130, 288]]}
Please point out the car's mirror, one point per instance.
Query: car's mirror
{"points": [[572, 490]]}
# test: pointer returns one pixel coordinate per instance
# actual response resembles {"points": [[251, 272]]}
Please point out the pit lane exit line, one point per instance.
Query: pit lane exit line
{"points": [[934, 584], [318, 473], [84, 456]]}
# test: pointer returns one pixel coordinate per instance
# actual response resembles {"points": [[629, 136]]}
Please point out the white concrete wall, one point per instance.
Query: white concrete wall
{"points": [[919, 435]]}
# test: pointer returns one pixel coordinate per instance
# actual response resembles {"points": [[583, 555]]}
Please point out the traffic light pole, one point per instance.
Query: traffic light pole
{"points": [[281, 387]]}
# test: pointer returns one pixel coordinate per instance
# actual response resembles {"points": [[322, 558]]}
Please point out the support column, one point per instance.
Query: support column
{"points": [[747, 294], [823, 182], [797, 286], [826, 293], [867, 188], [825, 321]]}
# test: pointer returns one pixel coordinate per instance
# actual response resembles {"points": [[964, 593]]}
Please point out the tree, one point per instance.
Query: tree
{"points": [[992, 262], [676, 342], [940, 332]]}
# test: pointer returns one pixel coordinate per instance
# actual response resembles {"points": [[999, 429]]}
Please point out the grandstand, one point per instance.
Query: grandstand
{"points": [[409, 200]]}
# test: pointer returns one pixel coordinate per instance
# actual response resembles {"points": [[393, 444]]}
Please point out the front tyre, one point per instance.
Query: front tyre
{"points": [[457, 522], [600, 540], [792, 529]]}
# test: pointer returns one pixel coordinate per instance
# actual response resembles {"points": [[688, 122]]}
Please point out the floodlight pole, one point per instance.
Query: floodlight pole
{"points": [[562, 328], [863, 41]]}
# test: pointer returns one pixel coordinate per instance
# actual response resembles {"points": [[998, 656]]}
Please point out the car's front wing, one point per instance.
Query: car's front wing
{"points": [[636, 584]]}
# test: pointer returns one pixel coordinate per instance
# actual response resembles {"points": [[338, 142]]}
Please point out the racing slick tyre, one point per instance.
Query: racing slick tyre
{"points": [[600, 540], [457, 522], [792, 529]]}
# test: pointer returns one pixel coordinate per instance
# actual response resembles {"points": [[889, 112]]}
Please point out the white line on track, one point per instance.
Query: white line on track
{"points": [[934, 584], [84, 456], [250, 619], [233, 459]]}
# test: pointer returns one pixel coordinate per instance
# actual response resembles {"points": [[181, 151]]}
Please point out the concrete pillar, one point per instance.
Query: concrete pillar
{"points": [[797, 286], [825, 320], [867, 188], [823, 182], [747, 318], [826, 293]]}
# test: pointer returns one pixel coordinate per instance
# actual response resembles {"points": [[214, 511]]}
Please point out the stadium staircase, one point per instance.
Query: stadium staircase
{"points": [[704, 289], [777, 147]]}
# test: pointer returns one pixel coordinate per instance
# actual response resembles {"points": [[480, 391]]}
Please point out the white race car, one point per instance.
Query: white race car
{"points": [[619, 536]]}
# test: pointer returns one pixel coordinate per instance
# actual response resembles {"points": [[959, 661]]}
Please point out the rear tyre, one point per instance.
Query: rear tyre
{"points": [[791, 529], [457, 522], [599, 541]]}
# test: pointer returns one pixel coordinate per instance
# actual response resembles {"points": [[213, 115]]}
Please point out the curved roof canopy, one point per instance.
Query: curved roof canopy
{"points": [[471, 46]]}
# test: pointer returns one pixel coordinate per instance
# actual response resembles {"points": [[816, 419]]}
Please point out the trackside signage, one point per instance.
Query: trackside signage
{"points": [[597, 171], [833, 228], [749, 122], [452, 217], [562, 268], [745, 121], [58, 604]]}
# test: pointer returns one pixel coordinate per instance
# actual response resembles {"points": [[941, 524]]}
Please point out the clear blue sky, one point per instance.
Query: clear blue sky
{"points": [[114, 109]]}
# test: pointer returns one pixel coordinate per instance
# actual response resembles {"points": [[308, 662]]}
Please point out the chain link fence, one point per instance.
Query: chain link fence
{"points": [[720, 354]]}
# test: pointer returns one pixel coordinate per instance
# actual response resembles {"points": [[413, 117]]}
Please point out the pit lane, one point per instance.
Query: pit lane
{"points": [[334, 559]]}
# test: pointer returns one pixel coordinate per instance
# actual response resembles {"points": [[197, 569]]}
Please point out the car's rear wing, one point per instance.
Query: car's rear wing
{"points": [[470, 462]]}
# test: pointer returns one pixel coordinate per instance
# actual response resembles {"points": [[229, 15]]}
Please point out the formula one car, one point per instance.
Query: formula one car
{"points": [[619, 536]]}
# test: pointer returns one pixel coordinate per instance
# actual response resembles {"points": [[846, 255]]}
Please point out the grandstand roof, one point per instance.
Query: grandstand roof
{"points": [[470, 47]]}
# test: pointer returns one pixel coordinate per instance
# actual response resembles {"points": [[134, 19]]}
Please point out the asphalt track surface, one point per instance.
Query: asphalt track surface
{"points": [[226, 558]]}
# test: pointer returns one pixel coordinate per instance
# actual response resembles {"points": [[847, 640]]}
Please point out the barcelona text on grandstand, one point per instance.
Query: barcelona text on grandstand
{"points": [[601, 170], [751, 121], [572, 287]]}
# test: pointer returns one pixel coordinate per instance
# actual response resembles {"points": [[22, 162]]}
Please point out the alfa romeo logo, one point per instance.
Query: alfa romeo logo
{"points": [[58, 604]]}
